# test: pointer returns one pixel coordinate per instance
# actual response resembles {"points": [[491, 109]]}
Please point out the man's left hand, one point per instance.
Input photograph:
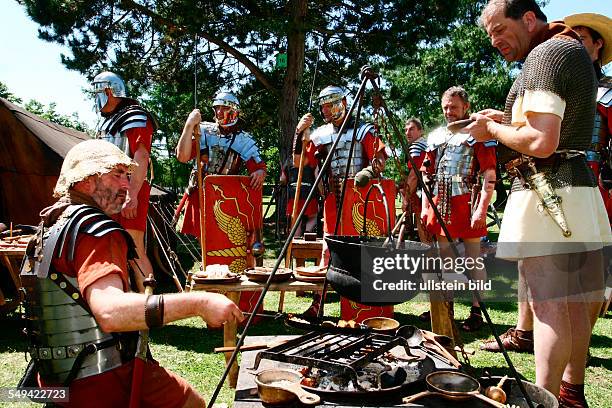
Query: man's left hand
{"points": [[257, 179], [479, 129], [130, 207], [479, 219]]}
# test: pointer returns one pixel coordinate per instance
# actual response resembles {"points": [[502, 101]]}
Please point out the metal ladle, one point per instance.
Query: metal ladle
{"points": [[414, 337]]}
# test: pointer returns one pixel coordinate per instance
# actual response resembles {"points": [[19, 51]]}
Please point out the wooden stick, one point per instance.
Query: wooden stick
{"points": [[197, 135], [11, 230], [296, 199]]}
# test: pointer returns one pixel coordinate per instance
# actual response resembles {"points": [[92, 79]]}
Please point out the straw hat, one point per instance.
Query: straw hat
{"points": [[87, 158], [599, 23]]}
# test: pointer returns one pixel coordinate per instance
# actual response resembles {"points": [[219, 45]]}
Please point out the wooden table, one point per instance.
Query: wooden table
{"points": [[11, 259], [232, 291]]}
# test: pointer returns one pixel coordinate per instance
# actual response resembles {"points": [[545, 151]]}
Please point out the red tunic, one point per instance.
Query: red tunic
{"points": [[606, 121], [460, 217], [137, 137], [96, 258]]}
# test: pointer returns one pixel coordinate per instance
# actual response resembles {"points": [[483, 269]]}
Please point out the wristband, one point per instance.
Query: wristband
{"points": [[154, 311]]}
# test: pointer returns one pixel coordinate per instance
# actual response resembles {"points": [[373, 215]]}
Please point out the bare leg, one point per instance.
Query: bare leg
{"points": [[472, 250], [144, 268], [553, 335], [525, 314], [581, 314]]}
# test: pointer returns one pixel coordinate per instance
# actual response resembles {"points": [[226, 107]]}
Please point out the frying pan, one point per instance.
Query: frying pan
{"points": [[280, 387], [453, 386]]}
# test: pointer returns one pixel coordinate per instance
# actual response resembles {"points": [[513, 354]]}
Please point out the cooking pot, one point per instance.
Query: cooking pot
{"points": [[351, 256]]}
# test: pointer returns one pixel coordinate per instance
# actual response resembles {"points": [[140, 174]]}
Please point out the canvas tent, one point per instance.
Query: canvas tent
{"points": [[31, 154]]}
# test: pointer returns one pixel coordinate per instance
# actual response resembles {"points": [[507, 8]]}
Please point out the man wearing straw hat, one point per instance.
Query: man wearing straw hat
{"points": [[595, 31], [83, 318]]}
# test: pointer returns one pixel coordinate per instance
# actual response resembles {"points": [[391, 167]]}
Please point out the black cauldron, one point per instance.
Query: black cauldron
{"points": [[352, 256]]}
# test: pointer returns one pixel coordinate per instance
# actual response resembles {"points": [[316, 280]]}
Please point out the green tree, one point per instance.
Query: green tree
{"points": [[153, 42], [49, 113], [6, 94], [46, 112], [464, 58]]}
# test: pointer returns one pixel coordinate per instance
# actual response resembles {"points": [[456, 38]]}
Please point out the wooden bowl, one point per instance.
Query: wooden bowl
{"points": [[382, 324]]}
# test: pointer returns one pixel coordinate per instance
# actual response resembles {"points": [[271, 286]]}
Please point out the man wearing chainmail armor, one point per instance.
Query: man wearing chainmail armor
{"points": [[555, 223]]}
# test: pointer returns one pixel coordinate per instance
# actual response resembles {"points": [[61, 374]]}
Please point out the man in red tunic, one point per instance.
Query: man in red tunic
{"points": [[410, 199], [455, 163], [368, 148], [83, 328], [226, 148], [130, 127]]}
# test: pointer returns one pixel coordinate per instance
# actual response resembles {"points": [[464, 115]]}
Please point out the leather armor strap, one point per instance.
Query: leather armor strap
{"points": [[154, 311], [88, 350]]}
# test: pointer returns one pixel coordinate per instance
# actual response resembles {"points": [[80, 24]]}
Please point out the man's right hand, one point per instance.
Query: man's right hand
{"points": [[194, 118], [304, 123], [494, 114], [219, 309]]}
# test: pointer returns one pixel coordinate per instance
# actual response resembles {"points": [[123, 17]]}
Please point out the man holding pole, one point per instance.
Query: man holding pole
{"points": [[368, 149], [232, 209]]}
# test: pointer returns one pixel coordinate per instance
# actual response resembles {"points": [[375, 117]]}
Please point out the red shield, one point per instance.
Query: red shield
{"points": [[232, 221], [352, 221], [232, 224]]}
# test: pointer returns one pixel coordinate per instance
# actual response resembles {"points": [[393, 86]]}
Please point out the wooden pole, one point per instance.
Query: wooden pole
{"points": [[197, 135], [296, 199]]}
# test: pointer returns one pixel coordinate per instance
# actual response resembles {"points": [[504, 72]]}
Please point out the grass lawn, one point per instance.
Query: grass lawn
{"points": [[186, 347]]}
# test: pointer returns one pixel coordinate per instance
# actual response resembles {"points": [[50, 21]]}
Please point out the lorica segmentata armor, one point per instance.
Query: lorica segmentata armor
{"points": [[65, 340], [114, 127]]}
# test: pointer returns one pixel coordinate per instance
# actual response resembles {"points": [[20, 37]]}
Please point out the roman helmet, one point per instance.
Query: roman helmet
{"points": [[227, 117], [334, 95], [107, 80]]}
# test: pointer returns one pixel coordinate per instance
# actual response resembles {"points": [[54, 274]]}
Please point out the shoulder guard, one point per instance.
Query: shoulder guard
{"points": [[78, 219], [363, 130], [437, 138], [322, 135], [417, 147], [604, 95], [246, 147], [132, 116]]}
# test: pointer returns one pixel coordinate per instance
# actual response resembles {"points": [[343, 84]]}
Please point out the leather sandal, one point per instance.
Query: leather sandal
{"points": [[473, 323], [513, 340]]}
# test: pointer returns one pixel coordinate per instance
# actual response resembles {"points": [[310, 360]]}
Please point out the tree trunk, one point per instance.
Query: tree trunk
{"points": [[296, 40]]}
